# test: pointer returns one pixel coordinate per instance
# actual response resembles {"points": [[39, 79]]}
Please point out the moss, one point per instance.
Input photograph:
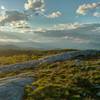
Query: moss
{"points": [[65, 81]]}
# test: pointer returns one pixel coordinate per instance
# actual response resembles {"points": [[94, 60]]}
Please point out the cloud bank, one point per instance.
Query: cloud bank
{"points": [[72, 35]]}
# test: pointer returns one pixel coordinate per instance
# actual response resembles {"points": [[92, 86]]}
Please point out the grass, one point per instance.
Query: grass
{"points": [[16, 56], [65, 81]]}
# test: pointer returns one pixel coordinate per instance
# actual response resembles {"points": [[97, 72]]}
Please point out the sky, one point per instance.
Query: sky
{"points": [[50, 24]]}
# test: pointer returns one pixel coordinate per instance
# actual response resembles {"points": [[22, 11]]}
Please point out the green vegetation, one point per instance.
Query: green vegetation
{"points": [[16, 56], [66, 81]]}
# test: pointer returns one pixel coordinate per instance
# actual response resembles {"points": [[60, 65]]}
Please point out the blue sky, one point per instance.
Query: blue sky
{"points": [[39, 17], [66, 7]]}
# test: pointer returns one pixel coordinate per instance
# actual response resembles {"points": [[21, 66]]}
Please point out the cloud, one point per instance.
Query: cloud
{"points": [[2, 18], [58, 30], [67, 26], [17, 27], [35, 5], [72, 32], [76, 39], [96, 14], [54, 14], [96, 30], [10, 16], [78, 36], [38, 7], [39, 30], [10, 40], [82, 9], [2, 7], [19, 24]]}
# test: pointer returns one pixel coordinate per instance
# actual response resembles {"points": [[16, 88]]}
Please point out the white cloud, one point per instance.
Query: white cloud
{"points": [[2, 18], [96, 14], [54, 14], [2, 7], [35, 5], [38, 7], [82, 9], [58, 27], [10, 40], [10, 16], [76, 39], [19, 24], [67, 26], [39, 30]]}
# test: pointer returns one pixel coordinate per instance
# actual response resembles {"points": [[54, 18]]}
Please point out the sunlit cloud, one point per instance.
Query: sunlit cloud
{"points": [[96, 14], [76, 39], [2, 7], [35, 5], [54, 14], [82, 9], [67, 26], [39, 30], [11, 16], [38, 7], [19, 24], [10, 40]]}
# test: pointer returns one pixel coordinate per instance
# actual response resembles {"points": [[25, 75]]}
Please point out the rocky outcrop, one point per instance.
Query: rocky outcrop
{"points": [[13, 88], [49, 59]]}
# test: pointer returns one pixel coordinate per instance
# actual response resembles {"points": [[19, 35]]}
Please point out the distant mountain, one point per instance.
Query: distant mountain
{"points": [[26, 45], [86, 36], [8, 47]]}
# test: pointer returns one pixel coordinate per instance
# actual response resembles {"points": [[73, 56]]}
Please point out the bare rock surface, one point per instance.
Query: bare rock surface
{"points": [[49, 59], [13, 88]]}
